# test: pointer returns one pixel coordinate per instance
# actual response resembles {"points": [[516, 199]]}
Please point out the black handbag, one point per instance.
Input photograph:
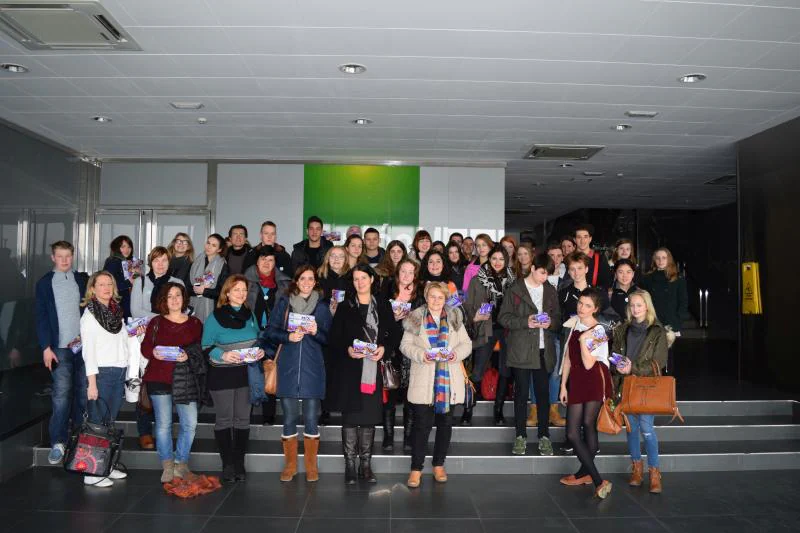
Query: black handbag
{"points": [[390, 375], [94, 449]]}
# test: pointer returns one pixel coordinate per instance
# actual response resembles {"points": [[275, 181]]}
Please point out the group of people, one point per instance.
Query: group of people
{"points": [[357, 329]]}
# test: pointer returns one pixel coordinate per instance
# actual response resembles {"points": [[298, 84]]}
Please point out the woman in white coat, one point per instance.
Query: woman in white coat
{"points": [[436, 342]]}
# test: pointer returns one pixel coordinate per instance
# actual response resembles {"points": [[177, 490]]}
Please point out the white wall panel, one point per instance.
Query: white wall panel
{"points": [[468, 200], [153, 184], [249, 194]]}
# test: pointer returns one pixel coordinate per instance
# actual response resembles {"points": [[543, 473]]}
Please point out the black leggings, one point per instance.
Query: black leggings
{"points": [[584, 415]]}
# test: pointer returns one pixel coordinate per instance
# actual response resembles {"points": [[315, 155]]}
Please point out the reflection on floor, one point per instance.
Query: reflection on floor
{"points": [[49, 500]]}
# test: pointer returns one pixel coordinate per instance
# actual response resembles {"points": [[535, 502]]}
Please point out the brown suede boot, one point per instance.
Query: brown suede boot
{"points": [[533, 417], [655, 480], [555, 417], [290, 458], [637, 474], [310, 449]]}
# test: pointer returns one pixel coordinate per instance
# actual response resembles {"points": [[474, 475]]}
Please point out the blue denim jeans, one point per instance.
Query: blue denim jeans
{"points": [[291, 416], [554, 380], [643, 424], [69, 394], [110, 392], [187, 414]]}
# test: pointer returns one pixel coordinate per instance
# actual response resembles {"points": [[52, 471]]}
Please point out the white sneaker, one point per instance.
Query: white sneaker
{"points": [[117, 474], [93, 481]]}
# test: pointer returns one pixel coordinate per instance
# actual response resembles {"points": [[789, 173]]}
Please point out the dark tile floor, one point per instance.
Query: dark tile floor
{"points": [[49, 500]]}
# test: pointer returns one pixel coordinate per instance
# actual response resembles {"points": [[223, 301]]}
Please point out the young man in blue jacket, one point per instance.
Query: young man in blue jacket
{"points": [[58, 314]]}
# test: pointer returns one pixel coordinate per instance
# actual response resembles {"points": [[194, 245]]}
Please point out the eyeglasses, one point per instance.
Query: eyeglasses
{"points": [[181, 241]]}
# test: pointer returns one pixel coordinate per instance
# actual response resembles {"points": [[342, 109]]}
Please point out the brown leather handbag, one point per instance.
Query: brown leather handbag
{"points": [[648, 396], [606, 421], [271, 365]]}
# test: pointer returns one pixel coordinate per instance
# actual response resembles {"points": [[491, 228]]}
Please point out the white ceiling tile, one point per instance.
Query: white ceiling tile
{"points": [[727, 53], [754, 79], [7, 88], [108, 86], [791, 83], [220, 66], [26, 105], [143, 65], [47, 87], [89, 105], [180, 87], [224, 87], [773, 24], [172, 13], [688, 19], [177, 40], [79, 65], [783, 56], [649, 49]]}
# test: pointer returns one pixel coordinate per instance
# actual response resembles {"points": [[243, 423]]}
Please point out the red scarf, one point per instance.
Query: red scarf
{"points": [[267, 281]]}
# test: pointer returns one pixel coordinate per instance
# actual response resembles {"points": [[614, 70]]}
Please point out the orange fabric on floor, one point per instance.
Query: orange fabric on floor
{"points": [[200, 485]]}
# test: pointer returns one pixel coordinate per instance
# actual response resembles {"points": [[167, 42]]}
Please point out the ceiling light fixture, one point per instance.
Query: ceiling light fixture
{"points": [[101, 119], [641, 114], [15, 68], [202, 120], [362, 122], [186, 106], [692, 78], [565, 165], [595, 173], [518, 197], [621, 127], [352, 68]]}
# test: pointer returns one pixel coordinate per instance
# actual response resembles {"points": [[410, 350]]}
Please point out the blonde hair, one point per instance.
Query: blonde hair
{"points": [[189, 251], [650, 317], [90, 287], [438, 286], [322, 271]]}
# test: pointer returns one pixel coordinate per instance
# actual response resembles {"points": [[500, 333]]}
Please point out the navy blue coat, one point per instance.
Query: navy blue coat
{"points": [[46, 315], [301, 365]]}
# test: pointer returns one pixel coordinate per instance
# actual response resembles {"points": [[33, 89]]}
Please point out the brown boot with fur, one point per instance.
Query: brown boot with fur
{"points": [[655, 480], [637, 474]]}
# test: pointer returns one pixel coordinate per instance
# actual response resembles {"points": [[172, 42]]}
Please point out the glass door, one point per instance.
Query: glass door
{"points": [[168, 223]]}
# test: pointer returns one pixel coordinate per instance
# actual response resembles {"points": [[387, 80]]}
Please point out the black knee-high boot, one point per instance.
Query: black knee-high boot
{"points": [[240, 439], [350, 449], [407, 421], [225, 445], [388, 429], [366, 435], [502, 389]]}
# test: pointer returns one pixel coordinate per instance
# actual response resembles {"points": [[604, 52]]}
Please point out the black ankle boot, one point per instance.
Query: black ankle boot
{"points": [[268, 410], [466, 417], [349, 446], [225, 445], [388, 429], [502, 389], [365, 437], [240, 439]]}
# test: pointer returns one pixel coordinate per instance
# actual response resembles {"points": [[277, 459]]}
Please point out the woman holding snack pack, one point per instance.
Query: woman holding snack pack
{"points": [[641, 341], [175, 375], [481, 308], [332, 276], [299, 325], [105, 355], [208, 274], [125, 268], [403, 297], [436, 343], [359, 338], [585, 383], [530, 314], [230, 335]]}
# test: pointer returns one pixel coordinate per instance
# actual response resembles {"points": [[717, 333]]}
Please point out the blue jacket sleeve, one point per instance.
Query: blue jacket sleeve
{"points": [[276, 331], [43, 331]]}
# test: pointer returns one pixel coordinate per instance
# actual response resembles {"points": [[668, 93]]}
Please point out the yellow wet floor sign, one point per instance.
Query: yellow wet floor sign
{"points": [[751, 289]]}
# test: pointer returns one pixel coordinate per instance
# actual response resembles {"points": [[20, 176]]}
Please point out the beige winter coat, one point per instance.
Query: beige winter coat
{"points": [[415, 344]]}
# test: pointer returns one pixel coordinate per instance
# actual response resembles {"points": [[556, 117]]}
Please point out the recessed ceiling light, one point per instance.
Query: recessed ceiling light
{"points": [[15, 68], [187, 105], [518, 197], [535, 205], [641, 114], [361, 121], [101, 119], [620, 175], [352, 68], [202, 120], [622, 127], [565, 165], [595, 173], [692, 78]]}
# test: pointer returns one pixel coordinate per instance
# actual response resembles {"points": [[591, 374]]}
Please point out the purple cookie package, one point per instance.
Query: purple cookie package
{"points": [[486, 309], [438, 354], [398, 306], [169, 353], [300, 322], [542, 318], [364, 347], [337, 295]]}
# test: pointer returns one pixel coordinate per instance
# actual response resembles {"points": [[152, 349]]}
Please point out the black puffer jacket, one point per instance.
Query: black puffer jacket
{"points": [[189, 378]]}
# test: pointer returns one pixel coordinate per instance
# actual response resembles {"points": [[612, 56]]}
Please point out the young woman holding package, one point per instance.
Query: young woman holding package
{"points": [[531, 347], [643, 341], [231, 327], [301, 368], [265, 283], [181, 252], [357, 385], [585, 383], [105, 355], [403, 288], [122, 250], [179, 382], [493, 278], [437, 382], [211, 266], [332, 274]]}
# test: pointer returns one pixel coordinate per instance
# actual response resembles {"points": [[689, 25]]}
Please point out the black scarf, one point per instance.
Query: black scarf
{"points": [[110, 318], [158, 284], [441, 277], [230, 318]]}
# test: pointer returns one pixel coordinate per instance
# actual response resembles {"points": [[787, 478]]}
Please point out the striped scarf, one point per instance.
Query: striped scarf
{"points": [[437, 337]]}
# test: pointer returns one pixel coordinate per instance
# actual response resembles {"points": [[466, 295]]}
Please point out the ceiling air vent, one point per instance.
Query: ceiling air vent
{"points": [[562, 152], [63, 26]]}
